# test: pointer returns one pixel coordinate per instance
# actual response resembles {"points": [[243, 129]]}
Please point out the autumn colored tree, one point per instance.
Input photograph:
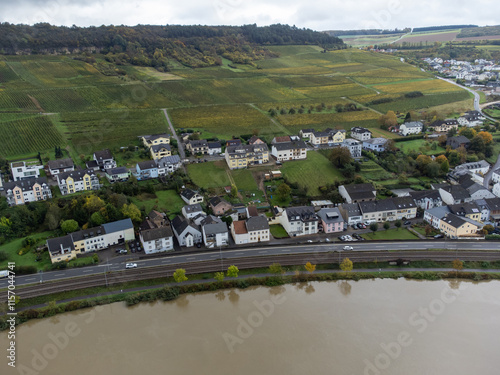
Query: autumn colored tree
{"points": [[487, 137], [232, 271], [388, 120], [468, 132], [441, 158], [180, 275], [346, 265], [442, 140], [131, 211], [310, 267], [458, 265], [340, 156]]}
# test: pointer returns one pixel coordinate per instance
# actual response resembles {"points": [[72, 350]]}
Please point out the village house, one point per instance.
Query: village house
{"points": [[199, 146], [243, 156], [358, 192], [375, 144], [27, 190], [160, 151], [495, 176], [22, 170], [187, 234], [444, 126], [255, 229], [361, 134], [285, 151], [255, 140], [168, 164], [427, 199], [281, 139], [155, 139], [434, 215], [146, 169], [219, 206], [78, 180], [157, 240], [494, 209], [351, 213], [331, 220], [457, 142], [233, 142], [192, 210], [214, 148], [456, 227], [401, 208], [117, 174], [60, 166], [306, 133], [215, 235], [454, 194], [299, 221], [408, 128], [354, 147], [191, 197], [469, 210], [471, 119], [104, 159], [89, 240]]}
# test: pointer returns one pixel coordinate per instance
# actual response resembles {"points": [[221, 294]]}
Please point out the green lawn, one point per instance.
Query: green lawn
{"points": [[278, 231], [164, 201], [244, 179], [390, 234], [209, 175], [420, 145], [29, 259], [311, 173]]}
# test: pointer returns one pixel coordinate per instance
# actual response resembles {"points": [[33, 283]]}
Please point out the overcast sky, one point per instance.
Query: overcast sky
{"points": [[314, 14]]}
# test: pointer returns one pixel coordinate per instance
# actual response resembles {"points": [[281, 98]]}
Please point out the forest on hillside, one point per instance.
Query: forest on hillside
{"points": [[146, 45]]}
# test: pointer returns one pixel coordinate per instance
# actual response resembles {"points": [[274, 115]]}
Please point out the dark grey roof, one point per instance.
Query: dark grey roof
{"points": [[257, 223], [295, 145], [493, 203], [211, 219], [214, 201], [54, 244], [60, 163], [188, 193], [330, 215], [197, 143], [157, 148], [156, 233], [152, 137], [117, 170], [190, 208], [352, 209], [103, 155], [302, 213], [215, 228], [413, 124], [88, 233], [214, 145], [119, 225], [243, 149], [26, 184], [91, 164], [360, 130], [466, 181], [457, 191], [404, 202], [377, 206], [180, 224], [147, 164], [360, 191], [429, 194], [321, 134], [233, 142], [167, 160], [439, 212], [454, 220], [76, 175]]}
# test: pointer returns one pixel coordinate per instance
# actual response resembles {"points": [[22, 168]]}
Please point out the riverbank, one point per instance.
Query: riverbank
{"points": [[172, 291]]}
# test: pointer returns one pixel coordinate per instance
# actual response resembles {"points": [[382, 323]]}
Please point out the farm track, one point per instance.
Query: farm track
{"points": [[119, 277]]}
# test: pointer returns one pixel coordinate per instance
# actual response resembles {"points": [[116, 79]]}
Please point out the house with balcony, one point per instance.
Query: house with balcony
{"points": [[60, 166], [471, 119], [78, 180], [434, 215], [146, 169], [21, 170], [155, 139], [411, 128], [243, 156], [354, 147], [351, 213], [214, 148], [27, 190], [160, 151], [444, 126], [61, 249], [456, 227], [168, 164], [192, 210], [104, 159], [199, 146], [299, 221], [155, 240], [215, 235], [191, 197], [427, 199], [187, 234], [117, 174], [375, 144], [219, 206], [391, 209], [361, 134], [454, 194], [285, 151]]}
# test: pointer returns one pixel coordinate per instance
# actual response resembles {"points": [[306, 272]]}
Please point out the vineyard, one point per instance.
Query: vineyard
{"points": [[28, 135]]}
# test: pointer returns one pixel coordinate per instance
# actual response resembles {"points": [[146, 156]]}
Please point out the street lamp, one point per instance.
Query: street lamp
{"points": [[41, 276]]}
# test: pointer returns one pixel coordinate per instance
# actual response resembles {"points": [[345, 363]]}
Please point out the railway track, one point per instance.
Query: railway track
{"points": [[119, 277]]}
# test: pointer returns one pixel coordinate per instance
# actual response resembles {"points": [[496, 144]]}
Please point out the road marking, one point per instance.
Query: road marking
{"points": [[88, 270], [60, 274], [263, 252], [165, 261], [29, 279], [214, 256], [285, 250], [191, 258]]}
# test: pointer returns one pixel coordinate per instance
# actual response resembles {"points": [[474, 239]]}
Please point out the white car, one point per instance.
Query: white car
{"points": [[347, 247], [131, 265]]}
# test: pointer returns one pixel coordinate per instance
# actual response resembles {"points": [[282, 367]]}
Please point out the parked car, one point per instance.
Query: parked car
{"points": [[123, 251], [131, 265], [358, 237], [361, 226], [347, 247], [309, 241], [327, 240], [407, 222], [439, 236]]}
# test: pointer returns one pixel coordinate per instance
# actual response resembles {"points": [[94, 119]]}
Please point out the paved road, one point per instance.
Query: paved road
{"points": [[180, 145], [477, 107], [312, 248]]}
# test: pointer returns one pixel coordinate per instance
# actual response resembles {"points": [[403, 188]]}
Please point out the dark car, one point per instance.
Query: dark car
{"points": [[361, 226], [407, 222]]}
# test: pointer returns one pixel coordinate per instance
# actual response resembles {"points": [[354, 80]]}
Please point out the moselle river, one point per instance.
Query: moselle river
{"points": [[374, 327]]}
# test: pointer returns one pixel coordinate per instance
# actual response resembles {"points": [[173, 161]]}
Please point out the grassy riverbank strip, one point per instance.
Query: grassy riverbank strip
{"points": [[200, 283]]}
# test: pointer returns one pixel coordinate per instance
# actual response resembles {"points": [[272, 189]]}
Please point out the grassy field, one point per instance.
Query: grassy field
{"points": [[164, 201], [29, 259], [420, 145], [278, 231], [390, 234], [372, 171], [311, 173], [209, 175]]}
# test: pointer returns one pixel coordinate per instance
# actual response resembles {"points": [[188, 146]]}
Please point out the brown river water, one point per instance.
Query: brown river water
{"points": [[367, 327]]}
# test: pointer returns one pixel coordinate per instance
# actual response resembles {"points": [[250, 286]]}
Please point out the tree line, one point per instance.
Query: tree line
{"points": [[148, 45]]}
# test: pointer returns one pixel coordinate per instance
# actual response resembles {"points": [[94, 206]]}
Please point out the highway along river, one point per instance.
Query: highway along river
{"points": [[375, 327]]}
